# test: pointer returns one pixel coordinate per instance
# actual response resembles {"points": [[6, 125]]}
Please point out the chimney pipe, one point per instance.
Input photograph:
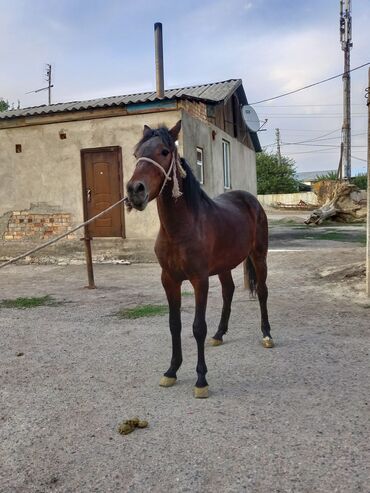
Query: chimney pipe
{"points": [[159, 59]]}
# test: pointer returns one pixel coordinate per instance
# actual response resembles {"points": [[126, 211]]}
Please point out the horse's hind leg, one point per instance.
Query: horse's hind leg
{"points": [[260, 266], [228, 288], [173, 293]]}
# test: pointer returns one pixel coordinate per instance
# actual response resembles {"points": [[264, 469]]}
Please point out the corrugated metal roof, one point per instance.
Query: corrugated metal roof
{"points": [[312, 175], [213, 93]]}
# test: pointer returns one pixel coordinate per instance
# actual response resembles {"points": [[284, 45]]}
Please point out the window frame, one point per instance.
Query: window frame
{"points": [[200, 163], [226, 164]]}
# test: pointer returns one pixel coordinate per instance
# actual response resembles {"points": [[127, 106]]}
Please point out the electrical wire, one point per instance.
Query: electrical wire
{"points": [[317, 117], [334, 149], [315, 145], [310, 85], [310, 140], [304, 105], [359, 159], [319, 137]]}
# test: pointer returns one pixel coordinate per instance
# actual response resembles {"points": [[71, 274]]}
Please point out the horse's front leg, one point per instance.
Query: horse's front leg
{"points": [[173, 293], [200, 332]]}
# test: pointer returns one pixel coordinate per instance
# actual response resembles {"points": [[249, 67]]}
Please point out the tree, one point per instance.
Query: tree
{"points": [[273, 177], [4, 105]]}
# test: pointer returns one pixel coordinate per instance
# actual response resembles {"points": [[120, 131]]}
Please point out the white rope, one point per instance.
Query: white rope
{"points": [[175, 163], [167, 176], [54, 240]]}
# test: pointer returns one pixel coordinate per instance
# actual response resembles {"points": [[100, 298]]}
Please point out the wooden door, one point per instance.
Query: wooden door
{"points": [[102, 186]]}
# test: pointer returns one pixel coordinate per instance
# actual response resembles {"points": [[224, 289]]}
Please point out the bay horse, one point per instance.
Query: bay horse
{"points": [[198, 237]]}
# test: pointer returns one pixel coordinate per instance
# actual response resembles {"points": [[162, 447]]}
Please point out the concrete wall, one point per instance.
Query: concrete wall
{"points": [[47, 173], [48, 169], [288, 198], [242, 159]]}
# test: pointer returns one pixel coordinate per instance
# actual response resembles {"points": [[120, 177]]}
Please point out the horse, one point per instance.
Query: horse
{"points": [[198, 237]]}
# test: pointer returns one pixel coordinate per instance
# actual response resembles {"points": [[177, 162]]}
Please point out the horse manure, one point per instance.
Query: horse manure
{"points": [[132, 421], [129, 425], [125, 428]]}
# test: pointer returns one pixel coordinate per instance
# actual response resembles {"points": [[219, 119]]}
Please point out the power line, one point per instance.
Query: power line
{"points": [[318, 116], [317, 139], [334, 149], [303, 105], [311, 145], [303, 130], [358, 158], [311, 140], [310, 85]]}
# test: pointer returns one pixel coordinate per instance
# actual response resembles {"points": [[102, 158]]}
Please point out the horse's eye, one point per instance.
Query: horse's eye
{"points": [[165, 152]]}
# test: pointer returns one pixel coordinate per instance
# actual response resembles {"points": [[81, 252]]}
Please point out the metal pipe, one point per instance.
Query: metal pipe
{"points": [[158, 39]]}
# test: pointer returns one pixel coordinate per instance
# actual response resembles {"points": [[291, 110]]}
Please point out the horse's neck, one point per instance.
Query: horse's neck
{"points": [[174, 215]]}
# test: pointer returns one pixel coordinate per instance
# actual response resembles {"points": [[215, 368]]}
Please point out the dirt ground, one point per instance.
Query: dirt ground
{"points": [[290, 419]]}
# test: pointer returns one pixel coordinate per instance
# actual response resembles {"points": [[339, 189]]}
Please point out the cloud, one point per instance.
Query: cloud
{"points": [[105, 47]]}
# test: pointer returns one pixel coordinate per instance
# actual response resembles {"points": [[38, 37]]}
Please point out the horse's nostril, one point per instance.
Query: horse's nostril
{"points": [[140, 187], [130, 188]]}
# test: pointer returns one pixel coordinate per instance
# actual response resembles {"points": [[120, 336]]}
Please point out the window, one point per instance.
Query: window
{"points": [[226, 163], [200, 169]]}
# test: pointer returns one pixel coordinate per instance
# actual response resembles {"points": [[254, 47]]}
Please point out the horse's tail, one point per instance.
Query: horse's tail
{"points": [[250, 278]]}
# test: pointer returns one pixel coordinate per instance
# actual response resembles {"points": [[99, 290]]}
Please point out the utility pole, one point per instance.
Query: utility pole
{"points": [[368, 191], [277, 133], [345, 28], [49, 86], [48, 79]]}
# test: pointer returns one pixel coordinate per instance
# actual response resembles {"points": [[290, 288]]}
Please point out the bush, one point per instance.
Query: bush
{"points": [[330, 175], [360, 181]]}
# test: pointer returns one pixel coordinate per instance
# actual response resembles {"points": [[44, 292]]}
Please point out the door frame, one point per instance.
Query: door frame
{"points": [[118, 151]]}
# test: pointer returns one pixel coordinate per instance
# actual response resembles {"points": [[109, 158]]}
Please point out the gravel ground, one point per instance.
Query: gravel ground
{"points": [[291, 419]]}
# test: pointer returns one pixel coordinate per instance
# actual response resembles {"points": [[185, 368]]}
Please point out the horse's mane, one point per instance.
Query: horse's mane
{"points": [[193, 193], [161, 132]]}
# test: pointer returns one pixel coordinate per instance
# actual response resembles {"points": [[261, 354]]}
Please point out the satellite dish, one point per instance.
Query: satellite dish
{"points": [[250, 118]]}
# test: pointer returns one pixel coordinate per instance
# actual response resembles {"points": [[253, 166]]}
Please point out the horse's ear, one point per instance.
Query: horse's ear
{"points": [[175, 130], [146, 130]]}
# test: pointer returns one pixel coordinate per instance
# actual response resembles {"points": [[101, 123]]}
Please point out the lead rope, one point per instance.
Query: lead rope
{"points": [[54, 240]]}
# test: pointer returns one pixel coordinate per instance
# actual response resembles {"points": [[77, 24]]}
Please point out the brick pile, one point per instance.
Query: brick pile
{"points": [[25, 225]]}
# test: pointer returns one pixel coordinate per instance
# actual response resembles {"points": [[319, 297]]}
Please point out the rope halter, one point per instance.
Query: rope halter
{"points": [[174, 166]]}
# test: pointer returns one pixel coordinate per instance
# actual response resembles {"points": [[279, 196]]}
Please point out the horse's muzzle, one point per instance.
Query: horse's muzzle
{"points": [[137, 194]]}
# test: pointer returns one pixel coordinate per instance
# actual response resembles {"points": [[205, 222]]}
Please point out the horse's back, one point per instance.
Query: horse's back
{"points": [[238, 196]]}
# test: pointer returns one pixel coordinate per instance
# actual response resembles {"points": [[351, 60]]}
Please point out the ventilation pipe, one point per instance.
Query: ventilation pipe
{"points": [[159, 59]]}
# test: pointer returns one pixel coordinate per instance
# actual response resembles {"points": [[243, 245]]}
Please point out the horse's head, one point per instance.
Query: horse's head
{"points": [[155, 154]]}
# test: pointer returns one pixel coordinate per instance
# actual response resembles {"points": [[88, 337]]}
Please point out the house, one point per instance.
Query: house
{"points": [[309, 177], [65, 162]]}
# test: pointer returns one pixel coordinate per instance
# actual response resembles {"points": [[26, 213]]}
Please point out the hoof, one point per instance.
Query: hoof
{"points": [[215, 342], [167, 381], [267, 342], [201, 392]]}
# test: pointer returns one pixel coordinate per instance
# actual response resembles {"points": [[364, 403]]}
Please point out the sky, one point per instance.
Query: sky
{"points": [[102, 48]]}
